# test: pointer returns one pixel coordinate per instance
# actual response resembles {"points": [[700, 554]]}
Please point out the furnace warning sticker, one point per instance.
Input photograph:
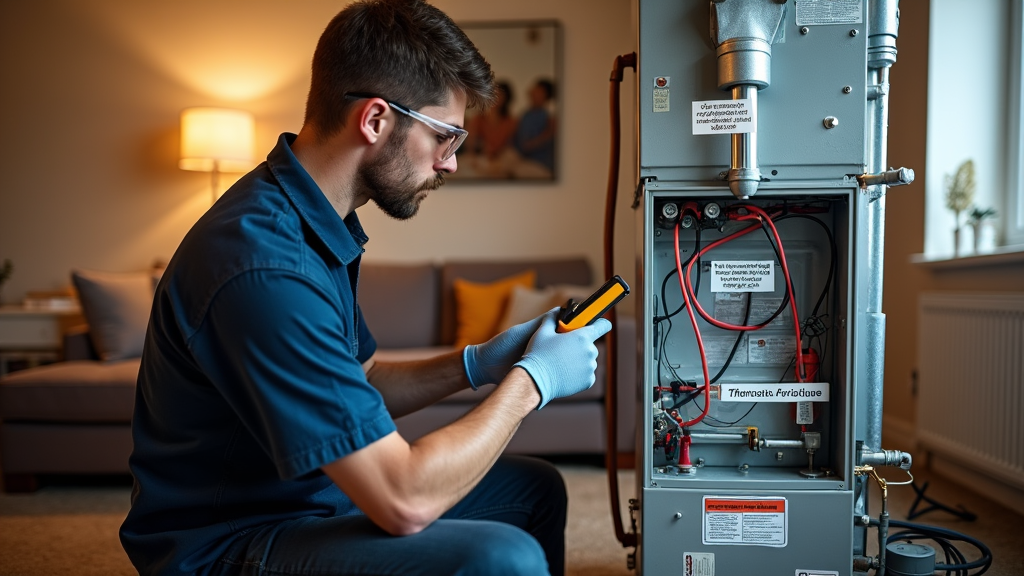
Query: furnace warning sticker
{"points": [[776, 350], [742, 276], [724, 117], [731, 307], [698, 564], [818, 12], [718, 349], [746, 521]]}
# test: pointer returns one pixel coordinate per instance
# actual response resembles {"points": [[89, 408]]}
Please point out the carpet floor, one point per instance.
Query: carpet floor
{"points": [[71, 527]]}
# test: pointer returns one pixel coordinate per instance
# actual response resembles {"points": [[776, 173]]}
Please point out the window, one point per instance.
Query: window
{"points": [[975, 111]]}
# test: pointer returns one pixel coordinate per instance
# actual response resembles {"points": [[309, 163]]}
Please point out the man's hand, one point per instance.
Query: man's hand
{"points": [[562, 364], [488, 363]]}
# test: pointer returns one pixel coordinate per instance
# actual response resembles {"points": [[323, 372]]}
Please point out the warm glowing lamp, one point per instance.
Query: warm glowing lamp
{"points": [[217, 140]]}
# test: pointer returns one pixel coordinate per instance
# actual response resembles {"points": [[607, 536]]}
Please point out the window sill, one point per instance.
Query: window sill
{"points": [[1002, 256]]}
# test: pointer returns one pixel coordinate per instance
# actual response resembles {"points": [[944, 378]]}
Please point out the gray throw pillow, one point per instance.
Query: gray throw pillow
{"points": [[116, 307]]}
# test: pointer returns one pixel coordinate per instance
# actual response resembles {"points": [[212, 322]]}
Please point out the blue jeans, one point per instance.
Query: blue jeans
{"points": [[512, 523]]}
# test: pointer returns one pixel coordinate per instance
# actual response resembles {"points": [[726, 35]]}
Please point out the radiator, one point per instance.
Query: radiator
{"points": [[970, 360]]}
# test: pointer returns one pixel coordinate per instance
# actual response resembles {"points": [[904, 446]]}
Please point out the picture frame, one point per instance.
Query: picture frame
{"points": [[516, 139]]}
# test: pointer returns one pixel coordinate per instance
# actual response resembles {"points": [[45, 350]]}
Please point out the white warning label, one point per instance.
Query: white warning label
{"points": [[661, 101], [731, 307], [783, 392], [718, 348], [724, 117], [747, 521], [742, 276], [771, 349], [698, 564], [818, 12]]}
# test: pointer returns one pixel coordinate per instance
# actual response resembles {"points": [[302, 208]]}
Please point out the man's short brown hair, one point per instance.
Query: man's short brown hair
{"points": [[406, 51]]}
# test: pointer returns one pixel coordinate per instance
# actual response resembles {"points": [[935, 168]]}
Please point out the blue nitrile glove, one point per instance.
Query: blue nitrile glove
{"points": [[488, 363], [562, 364]]}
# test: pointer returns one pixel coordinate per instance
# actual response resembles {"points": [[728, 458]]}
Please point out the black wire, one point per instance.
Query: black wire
{"points": [[736, 345], [785, 298], [833, 256]]}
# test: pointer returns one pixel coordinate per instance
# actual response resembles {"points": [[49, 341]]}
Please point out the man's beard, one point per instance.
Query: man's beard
{"points": [[389, 178]]}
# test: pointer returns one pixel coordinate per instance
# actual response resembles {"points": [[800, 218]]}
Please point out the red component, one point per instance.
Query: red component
{"points": [[811, 365], [684, 453], [691, 207]]}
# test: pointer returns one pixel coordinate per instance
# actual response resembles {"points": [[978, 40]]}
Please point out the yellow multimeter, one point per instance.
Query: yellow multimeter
{"points": [[577, 315]]}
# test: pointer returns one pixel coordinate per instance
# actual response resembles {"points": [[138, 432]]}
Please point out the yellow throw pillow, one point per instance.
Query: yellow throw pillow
{"points": [[480, 307]]}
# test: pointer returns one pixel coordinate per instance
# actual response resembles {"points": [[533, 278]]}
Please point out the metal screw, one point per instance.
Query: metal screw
{"points": [[657, 232], [677, 515], [654, 484], [778, 456], [854, 32], [744, 468], [804, 30], [847, 89], [830, 122]]}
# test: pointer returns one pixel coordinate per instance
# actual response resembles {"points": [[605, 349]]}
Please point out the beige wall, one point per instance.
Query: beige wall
{"points": [[89, 110]]}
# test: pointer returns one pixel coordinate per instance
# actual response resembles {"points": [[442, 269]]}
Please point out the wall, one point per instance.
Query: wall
{"points": [[89, 111]]}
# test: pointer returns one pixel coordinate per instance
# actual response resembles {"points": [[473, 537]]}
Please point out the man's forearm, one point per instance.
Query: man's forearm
{"points": [[404, 487], [409, 386], [458, 455]]}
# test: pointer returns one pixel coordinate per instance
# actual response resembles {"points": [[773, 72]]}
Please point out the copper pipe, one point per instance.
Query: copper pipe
{"points": [[611, 407]]}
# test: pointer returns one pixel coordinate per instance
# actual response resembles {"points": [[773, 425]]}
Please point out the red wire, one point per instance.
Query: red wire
{"points": [[758, 214], [696, 332], [690, 299]]}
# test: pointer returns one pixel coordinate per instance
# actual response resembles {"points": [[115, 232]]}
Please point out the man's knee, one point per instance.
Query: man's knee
{"points": [[503, 550]]}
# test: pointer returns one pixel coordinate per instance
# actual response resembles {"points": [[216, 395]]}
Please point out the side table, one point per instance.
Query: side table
{"points": [[30, 337]]}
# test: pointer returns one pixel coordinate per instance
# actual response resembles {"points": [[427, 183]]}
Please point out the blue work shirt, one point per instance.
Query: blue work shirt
{"points": [[251, 375]]}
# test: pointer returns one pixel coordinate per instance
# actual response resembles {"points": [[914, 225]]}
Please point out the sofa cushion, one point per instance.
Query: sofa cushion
{"points": [[77, 391], [525, 304], [400, 303], [116, 307], [557, 271], [479, 307]]}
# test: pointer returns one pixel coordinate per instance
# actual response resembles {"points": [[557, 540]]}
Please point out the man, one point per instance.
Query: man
{"points": [[263, 429]]}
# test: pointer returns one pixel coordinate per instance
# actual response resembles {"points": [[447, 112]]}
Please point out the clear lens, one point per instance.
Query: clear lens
{"points": [[455, 135]]}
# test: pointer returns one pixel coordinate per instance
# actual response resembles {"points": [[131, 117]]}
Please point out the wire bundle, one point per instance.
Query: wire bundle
{"points": [[956, 563], [763, 220]]}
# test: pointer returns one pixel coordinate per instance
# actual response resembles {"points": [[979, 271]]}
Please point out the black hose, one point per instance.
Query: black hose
{"points": [[945, 538]]}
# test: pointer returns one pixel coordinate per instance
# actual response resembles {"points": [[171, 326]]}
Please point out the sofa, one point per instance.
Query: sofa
{"points": [[74, 416]]}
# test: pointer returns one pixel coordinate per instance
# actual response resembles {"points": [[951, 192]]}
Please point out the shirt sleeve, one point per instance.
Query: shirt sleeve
{"points": [[284, 353]]}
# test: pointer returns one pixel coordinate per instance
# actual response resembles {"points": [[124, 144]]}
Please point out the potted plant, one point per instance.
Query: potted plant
{"points": [[960, 196], [984, 232]]}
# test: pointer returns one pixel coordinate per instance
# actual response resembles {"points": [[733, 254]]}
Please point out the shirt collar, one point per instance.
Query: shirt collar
{"points": [[345, 243]]}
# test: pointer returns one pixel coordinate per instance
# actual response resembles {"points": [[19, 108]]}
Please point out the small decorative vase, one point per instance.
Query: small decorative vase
{"points": [[984, 237]]}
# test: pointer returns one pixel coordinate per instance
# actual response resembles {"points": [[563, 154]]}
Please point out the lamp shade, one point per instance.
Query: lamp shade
{"points": [[217, 139]]}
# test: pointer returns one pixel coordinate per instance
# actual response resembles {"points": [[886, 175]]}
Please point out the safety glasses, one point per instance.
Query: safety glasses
{"points": [[453, 135]]}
